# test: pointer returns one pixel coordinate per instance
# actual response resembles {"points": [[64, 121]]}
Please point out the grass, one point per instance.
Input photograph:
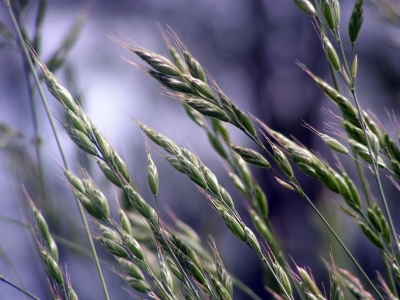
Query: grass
{"points": [[161, 257]]}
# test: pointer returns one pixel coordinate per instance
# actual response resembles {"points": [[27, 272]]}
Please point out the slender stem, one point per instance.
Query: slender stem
{"points": [[395, 248], [343, 246], [48, 111], [37, 139], [18, 288], [8, 263], [258, 142]]}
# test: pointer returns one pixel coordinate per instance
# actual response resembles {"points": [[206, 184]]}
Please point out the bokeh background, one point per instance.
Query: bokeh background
{"points": [[250, 48]]}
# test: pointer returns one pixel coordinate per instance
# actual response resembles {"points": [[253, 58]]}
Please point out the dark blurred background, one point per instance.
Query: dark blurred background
{"points": [[250, 48]]}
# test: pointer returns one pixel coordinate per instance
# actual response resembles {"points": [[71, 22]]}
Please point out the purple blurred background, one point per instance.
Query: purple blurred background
{"points": [[250, 48]]}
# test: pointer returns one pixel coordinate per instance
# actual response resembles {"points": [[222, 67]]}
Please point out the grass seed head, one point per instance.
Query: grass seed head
{"points": [[330, 53], [161, 140], [354, 67], [226, 197], [139, 285], [175, 84], [110, 234], [238, 183], [174, 162], [113, 247], [251, 156], [220, 129], [234, 226], [221, 290], [371, 236], [261, 200], [194, 115], [356, 20], [252, 240], [52, 268], [196, 70], [334, 144], [75, 182], [152, 175], [331, 12], [81, 140], [283, 278], [133, 246], [77, 122], [206, 108], [217, 145], [158, 62], [124, 222], [282, 161], [102, 144], [309, 283], [194, 174], [131, 268], [202, 88], [109, 173], [212, 181], [306, 6], [174, 269], [120, 166]]}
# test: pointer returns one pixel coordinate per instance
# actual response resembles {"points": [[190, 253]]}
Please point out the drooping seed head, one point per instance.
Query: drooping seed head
{"points": [[81, 140], [251, 156], [331, 12], [283, 278], [217, 145], [330, 53], [110, 234], [356, 20], [282, 161], [131, 268], [238, 183], [334, 144], [152, 175], [52, 268], [175, 84], [113, 247], [161, 140], [206, 108], [252, 240], [196, 70], [75, 182], [139, 285], [158, 62], [120, 166], [124, 222], [306, 6], [102, 144], [194, 115], [221, 290], [109, 173], [202, 88], [371, 236], [309, 282], [133, 246], [212, 181]]}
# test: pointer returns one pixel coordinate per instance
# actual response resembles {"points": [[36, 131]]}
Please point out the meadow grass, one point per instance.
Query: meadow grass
{"points": [[165, 259]]}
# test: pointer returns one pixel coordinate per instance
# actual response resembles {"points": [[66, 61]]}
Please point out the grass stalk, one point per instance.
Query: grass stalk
{"points": [[48, 112], [395, 247], [2, 278], [258, 142]]}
